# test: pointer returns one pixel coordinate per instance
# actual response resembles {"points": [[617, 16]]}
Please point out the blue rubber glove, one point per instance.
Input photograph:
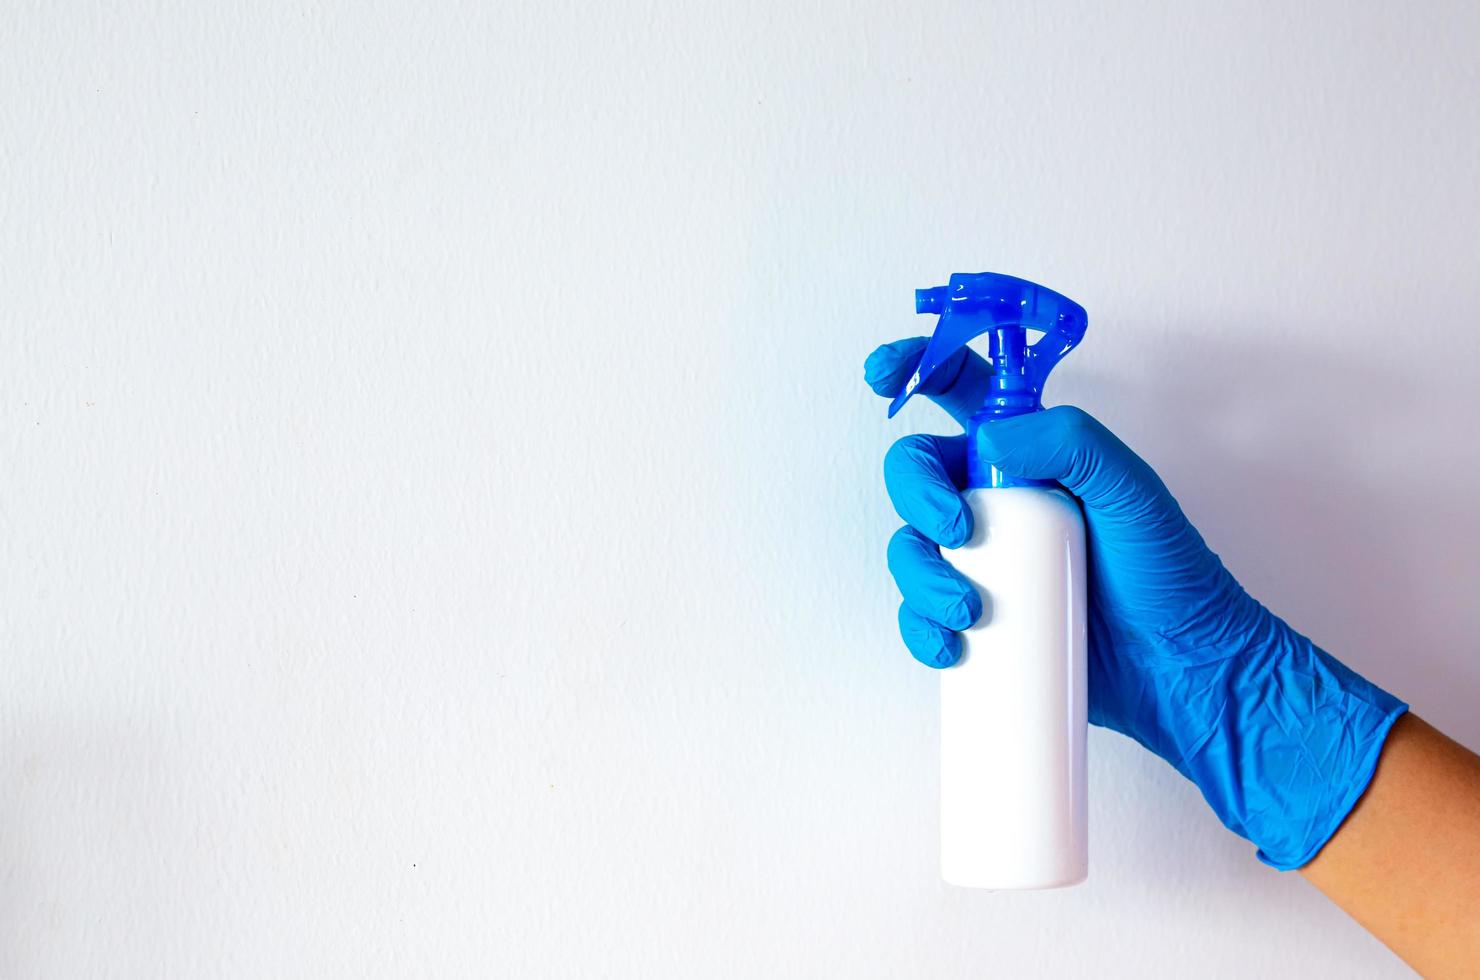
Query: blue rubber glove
{"points": [[1280, 737]]}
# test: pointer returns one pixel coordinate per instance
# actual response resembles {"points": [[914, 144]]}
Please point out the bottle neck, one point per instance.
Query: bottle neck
{"points": [[1010, 391], [982, 475]]}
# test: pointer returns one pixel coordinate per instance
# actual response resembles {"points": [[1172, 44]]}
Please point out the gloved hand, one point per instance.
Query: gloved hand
{"points": [[1280, 737]]}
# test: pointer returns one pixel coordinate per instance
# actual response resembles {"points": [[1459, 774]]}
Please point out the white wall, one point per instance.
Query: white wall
{"points": [[442, 525]]}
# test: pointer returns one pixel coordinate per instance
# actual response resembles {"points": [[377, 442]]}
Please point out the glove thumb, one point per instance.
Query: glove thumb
{"points": [[1068, 445]]}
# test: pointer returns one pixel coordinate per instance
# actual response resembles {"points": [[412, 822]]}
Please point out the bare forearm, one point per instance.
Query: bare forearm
{"points": [[1406, 862]]}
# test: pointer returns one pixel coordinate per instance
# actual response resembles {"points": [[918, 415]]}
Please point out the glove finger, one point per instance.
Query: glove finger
{"points": [[930, 643], [959, 385], [1068, 445], [930, 586], [922, 473]]}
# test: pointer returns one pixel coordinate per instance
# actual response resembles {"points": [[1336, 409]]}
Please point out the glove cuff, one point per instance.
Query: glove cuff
{"points": [[1294, 749]]}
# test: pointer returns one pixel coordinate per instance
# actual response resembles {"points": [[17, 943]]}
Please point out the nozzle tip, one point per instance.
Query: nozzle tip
{"points": [[930, 300]]}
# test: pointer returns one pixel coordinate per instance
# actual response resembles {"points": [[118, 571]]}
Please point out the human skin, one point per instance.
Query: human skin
{"points": [[1406, 861]]}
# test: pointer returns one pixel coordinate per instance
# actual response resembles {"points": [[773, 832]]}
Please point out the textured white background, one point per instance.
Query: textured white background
{"points": [[441, 530]]}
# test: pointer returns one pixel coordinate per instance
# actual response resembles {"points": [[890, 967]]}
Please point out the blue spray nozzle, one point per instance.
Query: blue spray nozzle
{"points": [[1006, 309], [974, 303]]}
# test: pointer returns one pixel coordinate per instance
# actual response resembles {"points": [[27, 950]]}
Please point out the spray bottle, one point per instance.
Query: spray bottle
{"points": [[1013, 710]]}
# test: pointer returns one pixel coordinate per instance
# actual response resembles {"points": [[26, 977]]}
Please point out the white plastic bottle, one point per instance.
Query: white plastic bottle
{"points": [[1014, 709]]}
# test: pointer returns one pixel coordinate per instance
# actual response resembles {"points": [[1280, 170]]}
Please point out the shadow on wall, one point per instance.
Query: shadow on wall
{"points": [[1340, 491]]}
